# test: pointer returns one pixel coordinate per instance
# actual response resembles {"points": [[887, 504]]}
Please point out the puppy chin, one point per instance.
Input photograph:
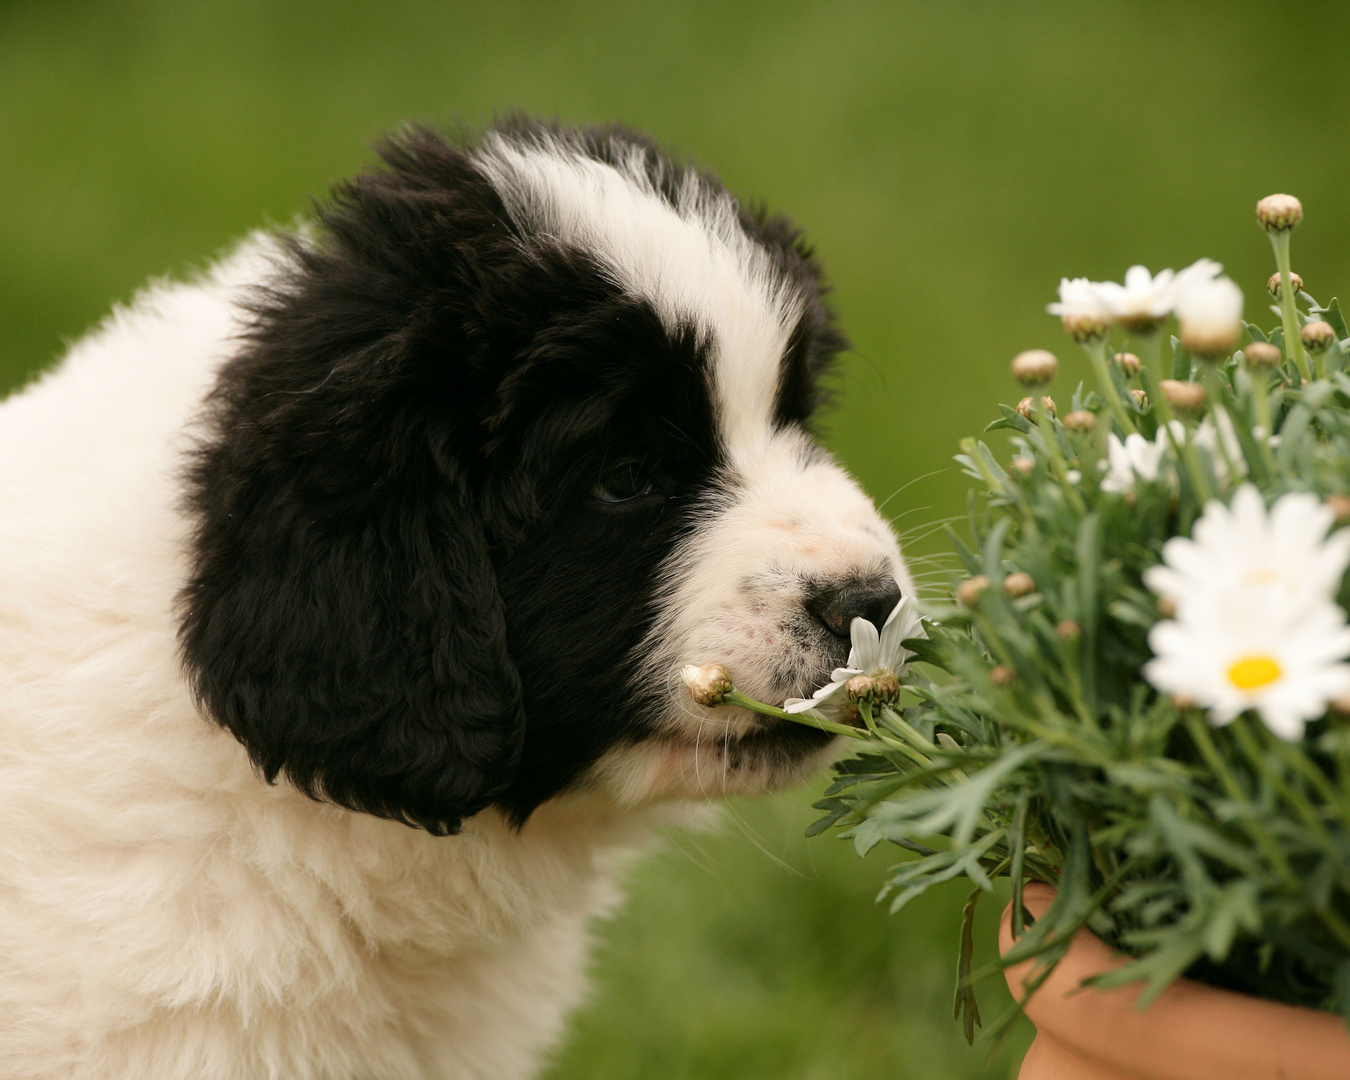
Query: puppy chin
{"points": [[718, 762]]}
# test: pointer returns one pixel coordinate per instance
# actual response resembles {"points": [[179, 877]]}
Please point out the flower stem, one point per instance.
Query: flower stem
{"points": [[1293, 344], [735, 697], [1184, 450], [1096, 351], [1204, 742]]}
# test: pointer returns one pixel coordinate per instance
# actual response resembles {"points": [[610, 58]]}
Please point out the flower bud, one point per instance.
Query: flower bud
{"points": [[1279, 213], [1035, 367], [1022, 466], [888, 687], [1080, 421], [1068, 629], [1261, 354], [1340, 506], [861, 688], [1183, 396], [1276, 285], [1317, 336], [708, 685], [969, 591], [1140, 399], [1085, 328], [1129, 364], [1002, 676], [1026, 408], [1020, 583]]}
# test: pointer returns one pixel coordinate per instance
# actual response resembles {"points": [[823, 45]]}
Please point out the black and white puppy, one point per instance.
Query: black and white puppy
{"points": [[411, 519]]}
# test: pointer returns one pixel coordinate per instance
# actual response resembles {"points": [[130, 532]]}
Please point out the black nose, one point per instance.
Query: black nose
{"points": [[836, 606]]}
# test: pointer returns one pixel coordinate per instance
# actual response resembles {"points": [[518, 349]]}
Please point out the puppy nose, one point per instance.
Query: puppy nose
{"points": [[836, 606]]}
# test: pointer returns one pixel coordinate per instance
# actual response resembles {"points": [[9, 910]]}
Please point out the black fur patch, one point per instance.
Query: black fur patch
{"points": [[406, 595]]}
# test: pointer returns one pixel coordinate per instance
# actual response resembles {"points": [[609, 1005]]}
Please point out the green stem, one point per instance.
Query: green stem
{"points": [[1096, 351], [1261, 398], [1258, 757], [1204, 742], [735, 697], [1293, 343], [1153, 354]]}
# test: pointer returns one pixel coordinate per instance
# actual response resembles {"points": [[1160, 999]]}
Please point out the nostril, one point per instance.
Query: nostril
{"points": [[835, 606]]}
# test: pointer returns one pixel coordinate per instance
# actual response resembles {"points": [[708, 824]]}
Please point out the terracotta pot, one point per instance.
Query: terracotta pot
{"points": [[1191, 1032]]}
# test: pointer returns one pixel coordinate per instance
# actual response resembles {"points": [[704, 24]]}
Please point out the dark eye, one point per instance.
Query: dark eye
{"points": [[624, 482]]}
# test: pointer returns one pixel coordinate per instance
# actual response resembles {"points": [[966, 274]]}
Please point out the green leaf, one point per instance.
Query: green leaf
{"points": [[1181, 361], [1011, 418], [1337, 320], [965, 1008], [840, 811]]}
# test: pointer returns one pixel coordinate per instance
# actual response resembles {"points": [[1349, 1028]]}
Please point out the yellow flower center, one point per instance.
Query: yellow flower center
{"points": [[1254, 672], [1262, 576]]}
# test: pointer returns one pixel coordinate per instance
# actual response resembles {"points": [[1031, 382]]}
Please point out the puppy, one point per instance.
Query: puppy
{"points": [[343, 596]]}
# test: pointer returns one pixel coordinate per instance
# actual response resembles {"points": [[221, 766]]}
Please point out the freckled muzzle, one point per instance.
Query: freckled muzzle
{"points": [[769, 583]]}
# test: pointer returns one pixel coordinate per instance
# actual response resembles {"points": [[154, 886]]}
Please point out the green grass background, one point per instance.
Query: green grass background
{"points": [[950, 161]]}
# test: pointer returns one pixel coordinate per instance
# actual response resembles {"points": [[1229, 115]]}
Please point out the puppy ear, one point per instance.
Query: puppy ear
{"points": [[354, 644], [342, 617]]}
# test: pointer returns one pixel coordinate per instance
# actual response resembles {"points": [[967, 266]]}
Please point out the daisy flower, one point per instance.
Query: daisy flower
{"points": [[1137, 457], [1197, 275], [1081, 310], [872, 654], [1143, 302], [1285, 552], [1285, 663], [1210, 314]]}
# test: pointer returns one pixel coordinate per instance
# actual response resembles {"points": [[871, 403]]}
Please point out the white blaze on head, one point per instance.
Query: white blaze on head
{"points": [[691, 261]]}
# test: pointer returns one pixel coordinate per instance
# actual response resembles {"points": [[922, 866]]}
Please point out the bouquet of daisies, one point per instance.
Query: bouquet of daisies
{"points": [[1139, 692]]}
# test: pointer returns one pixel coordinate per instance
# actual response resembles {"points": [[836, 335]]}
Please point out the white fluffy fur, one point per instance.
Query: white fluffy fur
{"points": [[166, 915]]}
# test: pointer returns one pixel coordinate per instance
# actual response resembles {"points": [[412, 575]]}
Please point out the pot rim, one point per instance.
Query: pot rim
{"points": [[1189, 1032]]}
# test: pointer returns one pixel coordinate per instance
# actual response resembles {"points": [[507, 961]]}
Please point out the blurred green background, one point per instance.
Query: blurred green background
{"points": [[950, 161]]}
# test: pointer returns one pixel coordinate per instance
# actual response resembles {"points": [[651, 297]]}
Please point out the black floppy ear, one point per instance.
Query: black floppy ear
{"points": [[341, 616], [355, 646]]}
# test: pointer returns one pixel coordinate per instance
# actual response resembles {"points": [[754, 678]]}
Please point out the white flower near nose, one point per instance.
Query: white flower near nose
{"points": [[872, 654]]}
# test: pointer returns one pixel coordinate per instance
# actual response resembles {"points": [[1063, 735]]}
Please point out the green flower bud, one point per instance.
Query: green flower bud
{"points": [[707, 685], [1035, 367], [1080, 421], [1275, 285], [1317, 336], [1020, 583], [970, 590], [1279, 213], [1261, 354]]}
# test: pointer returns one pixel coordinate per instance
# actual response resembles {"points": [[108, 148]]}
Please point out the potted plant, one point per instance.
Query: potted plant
{"points": [[1135, 704]]}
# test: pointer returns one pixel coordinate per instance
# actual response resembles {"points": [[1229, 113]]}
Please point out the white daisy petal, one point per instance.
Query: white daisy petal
{"points": [[866, 651], [1257, 626]]}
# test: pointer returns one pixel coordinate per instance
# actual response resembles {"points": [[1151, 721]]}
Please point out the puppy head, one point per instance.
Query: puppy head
{"points": [[522, 433]]}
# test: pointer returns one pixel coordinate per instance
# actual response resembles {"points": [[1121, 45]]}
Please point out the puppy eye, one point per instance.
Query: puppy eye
{"points": [[623, 483]]}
